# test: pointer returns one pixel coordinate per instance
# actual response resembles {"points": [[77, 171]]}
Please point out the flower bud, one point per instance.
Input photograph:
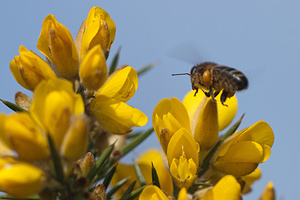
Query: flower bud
{"points": [[268, 193], [54, 102], [22, 135], [93, 70], [23, 100], [227, 188], [20, 179], [87, 163], [56, 43], [29, 69], [75, 142], [98, 28], [206, 129]]}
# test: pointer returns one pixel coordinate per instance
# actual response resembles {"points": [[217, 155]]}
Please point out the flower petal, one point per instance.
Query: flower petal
{"points": [[206, 129], [98, 28], [175, 108], [260, 132], [29, 69], [93, 70], [269, 192], [247, 151], [152, 192], [155, 157], [226, 114], [117, 117], [182, 140], [168, 116], [76, 139], [227, 188], [56, 43], [62, 88], [20, 179], [120, 86], [22, 135]]}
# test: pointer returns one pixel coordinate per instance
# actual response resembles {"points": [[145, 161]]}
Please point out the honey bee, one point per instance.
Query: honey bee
{"points": [[212, 78]]}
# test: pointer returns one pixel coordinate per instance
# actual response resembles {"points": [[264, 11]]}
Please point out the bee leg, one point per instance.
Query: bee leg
{"points": [[206, 93], [223, 98], [216, 93], [196, 92], [211, 92]]}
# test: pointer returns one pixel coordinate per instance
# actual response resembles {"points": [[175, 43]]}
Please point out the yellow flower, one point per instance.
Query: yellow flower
{"points": [[109, 104], [208, 117], [250, 179], [20, 133], [56, 43], [145, 163], [194, 105], [226, 188], [98, 28], [20, 179], [93, 70], [268, 193], [152, 192], [169, 116], [201, 116], [53, 104], [182, 157], [76, 140], [29, 69], [241, 153]]}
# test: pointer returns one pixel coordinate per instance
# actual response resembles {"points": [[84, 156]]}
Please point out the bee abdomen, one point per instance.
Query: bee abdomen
{"points": [[230, 77]]}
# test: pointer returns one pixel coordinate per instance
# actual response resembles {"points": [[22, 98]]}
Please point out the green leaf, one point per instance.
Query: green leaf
{"points": [[145, 68], [13, 106], [100, 162], [135, 193], [116, 188], [128, 191], [126, 149], [136, 141], [109, 176], [114, 63], [58, 168], [155, 179], [35, 197], [139, 174]]}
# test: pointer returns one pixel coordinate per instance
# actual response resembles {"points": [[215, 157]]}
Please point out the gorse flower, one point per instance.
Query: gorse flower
{"points": [[84, 63], [109, 104], [98, 28], [241, 153], [57, 44], [191, 129], [29, 69], [56, 112]]}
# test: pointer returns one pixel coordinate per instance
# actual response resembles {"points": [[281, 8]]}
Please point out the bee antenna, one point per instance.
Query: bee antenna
{"points": [[180, 74]]}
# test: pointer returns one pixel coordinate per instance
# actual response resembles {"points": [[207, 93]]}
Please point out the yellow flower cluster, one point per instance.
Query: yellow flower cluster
{"points": [[75, 99], [201, 162], [83, 62], [56, 112]]}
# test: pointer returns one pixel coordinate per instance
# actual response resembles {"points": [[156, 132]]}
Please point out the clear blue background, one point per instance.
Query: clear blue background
{"points": [[260, 38]]}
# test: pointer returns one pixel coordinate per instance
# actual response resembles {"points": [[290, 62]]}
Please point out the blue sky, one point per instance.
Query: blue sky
{"points": [[260, 38]]}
